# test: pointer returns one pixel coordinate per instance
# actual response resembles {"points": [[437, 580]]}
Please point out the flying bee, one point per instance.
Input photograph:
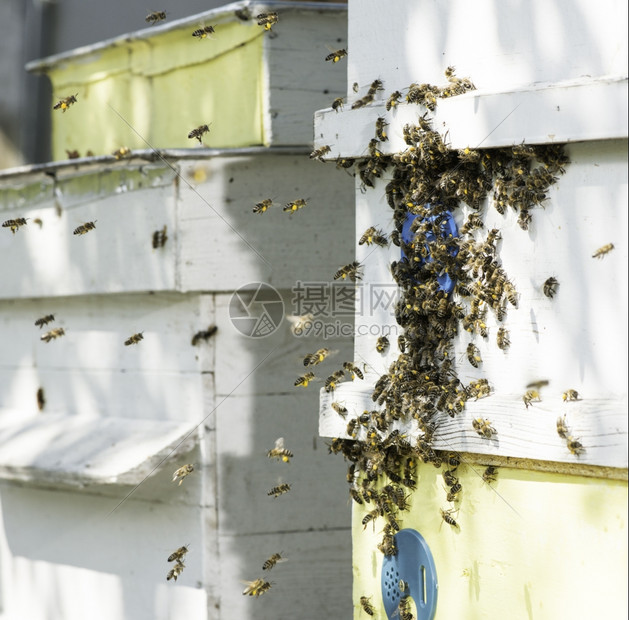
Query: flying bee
{"points": [[181, 473], [74, 154], [446, 515], [502, 338], [243, 14], [362, 102], [375, 236], [340, 409], [41, 399], [382, 344], [333, 380], [257, 587], [375, 86], [569, 395], [44, 320], [203, 33], [531, 396], [320, 152], [134, 339], [574, 445], [304, 380], [350, 271], [539, 384], [337, 104], [484, 428], [272, 561], [267, 20], [179, 554], [365, 603], [65, 103], [602, 251], [53, 334], [262, 206], [489, 475], [473, 355], [562, 427], [155, 16], [204, 334], [198, 132], [160, 237], [353, 370], [279, 452], [84, 228], [14, 224], [337, 55], [380, 132], [370, 516], [393, 100], [122, 152], [550, 287], [312, 359], [295, 205], [280, 489], [174, 572]]}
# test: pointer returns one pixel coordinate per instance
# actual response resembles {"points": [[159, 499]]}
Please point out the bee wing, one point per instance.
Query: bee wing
{"points": [[279, 443]]}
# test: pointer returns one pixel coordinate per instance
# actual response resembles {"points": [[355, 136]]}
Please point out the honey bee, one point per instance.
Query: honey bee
{"points": [[380, 132], [203, 33], [562, 427], [41, 399], [502, 338], [160, 237], [262, 206], [353, 370], [454, 491], [204, 334], [53, 334], [267, 20], [179, 554], [198, 132], [122, 152], [401, 343], [484, 428], [370, 516], [344, 162], [65, 103], [295, 205], [404, 608], [351, 427], [382, 344], [538, 385], [279, 452], [74, 154], [449, 478], [569, 395], [375, 236], [174, 572], [337, 104], [473, 355], [304, 380], [14, 224], [489, 475], [155, 16], [550, 287], [181, 473], [243, 14], [337, 55], [574, 445], [272, 561], [365, 603], [446, 515], [257, 587], [280, 489], [393, 100], [355, 495], [350, 271], [84, 228], [340, 409], [312, 359], [362, 102], [531, 396], [606, 249], [333, 380], [44, 320], [320, 152], [134, 339]]}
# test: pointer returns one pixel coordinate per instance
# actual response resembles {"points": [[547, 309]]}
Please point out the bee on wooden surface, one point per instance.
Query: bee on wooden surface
{"points": [[279, 452], [65, 103], [74, 154], [197, 133], [44, 320], [489, 475], [304, 380], [268, 20], [155, 17], [243, 14], [355, 495], [365, 603], [333, 380], [122, 152], [84, 228], [511, 293], [337, 104], [446, 515], [262, 206], [181, 473], [336, 56], [295, 205], [204, 334], [340, 409], [320, 152], [473, 355], [449, 477], [41, 399], [272, 561], [278, 490], [134, 339], [179, 554], [344, 162], [351, 429], [502, 338], [531, 396], [351, 271], [382, 344], [550, 287], [606, 249], [562, 427], [569, 395], [257, 587], [393, 100], [574, 445], [453, 492], [380, 132], [370, 516], [484, 428], [373, 236], [14, 224], [160, 237], [175, 571], [53, 334]]}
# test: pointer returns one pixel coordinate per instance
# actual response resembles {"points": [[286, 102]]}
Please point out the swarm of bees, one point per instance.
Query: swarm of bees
{"points": [[65, 103]]}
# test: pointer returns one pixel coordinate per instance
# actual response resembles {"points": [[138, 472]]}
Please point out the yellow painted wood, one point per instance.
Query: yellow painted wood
{"points": [[532, 546]]}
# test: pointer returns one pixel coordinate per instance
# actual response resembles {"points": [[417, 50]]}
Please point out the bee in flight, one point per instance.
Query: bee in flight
{"points": [[320, 152], [350, 271], [340, 409], [291, 207], [44, 320], [14, 224], [198, 132], [181, 473], [262, 206], [312, 359], [268, 20], [336, 56], [304, 380], [373, 236], [53, 334], [279, 452], [41, 399], [65, 103], [280, 489], [160, 237], [257, 587], [353, 370], [155, 16], [179, 554], [202, 33], [122, 152], [175, 571], [606, 249], [272, 561], [134, 339], [84, 228], [204, 334]]}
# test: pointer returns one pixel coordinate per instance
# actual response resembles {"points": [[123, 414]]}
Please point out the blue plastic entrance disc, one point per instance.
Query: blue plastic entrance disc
{"points": [[411, 572]]}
